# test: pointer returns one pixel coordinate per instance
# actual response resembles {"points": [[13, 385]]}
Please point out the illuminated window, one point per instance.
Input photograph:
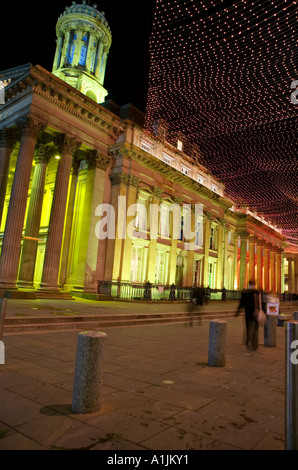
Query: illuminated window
{"points": [[147, 147], [166, 159], [84, 49], [180, 145], [164, 221], [184, 170], [160, 269], [141, 215], [136, 264], [196, 272]]}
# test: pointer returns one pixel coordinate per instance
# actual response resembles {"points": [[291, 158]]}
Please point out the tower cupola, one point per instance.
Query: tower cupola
{"points": [[83, 42]]}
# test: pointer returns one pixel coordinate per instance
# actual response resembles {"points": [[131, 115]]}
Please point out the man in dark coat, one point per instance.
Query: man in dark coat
{"points": [[249, 302]]}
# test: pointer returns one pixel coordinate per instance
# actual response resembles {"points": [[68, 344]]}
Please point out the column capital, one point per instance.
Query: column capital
{"points": [[119, 178], [208, 215], [252, 239], [30, 126], [96, 160], [177, 200], [222, 222], [43, 153], [66, 144], [242, 234], [133, 181], [267, 246], [8, 137], [260, 242], [156, 191]]}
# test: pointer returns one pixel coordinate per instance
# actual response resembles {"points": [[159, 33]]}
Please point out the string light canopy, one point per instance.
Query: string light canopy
{"points": [[222, 73]]}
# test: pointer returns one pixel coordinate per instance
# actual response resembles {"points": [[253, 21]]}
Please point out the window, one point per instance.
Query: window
{"points": [[196, 272], [84, 49], [166, 159], [198, 233], [147, 147], [211, 275], [164, 221], [136, 264], [160, 269], [179, 145], [212, 239], [71, 48], [184, 170], [141, 215]]}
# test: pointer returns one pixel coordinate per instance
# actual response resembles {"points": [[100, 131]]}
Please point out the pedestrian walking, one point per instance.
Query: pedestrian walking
{"points": [[249, 302]]}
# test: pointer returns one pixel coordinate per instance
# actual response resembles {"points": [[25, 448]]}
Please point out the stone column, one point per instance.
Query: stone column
{"points": [[206, 248], [260, 245], [290, 275], [68, 222], [90, 50], [273, 269], [235, 262], [278, 270], [220, 255], [56, 226], [11, 246], [6, 146], [30, 242], [103, 68], [63, 59], [243, 251], [267, 248], [99, 59], [154, 203], [252, 250], [58, 52]]}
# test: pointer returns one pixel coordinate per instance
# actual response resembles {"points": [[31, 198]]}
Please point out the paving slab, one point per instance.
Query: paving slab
{"points": [[159, 392]]}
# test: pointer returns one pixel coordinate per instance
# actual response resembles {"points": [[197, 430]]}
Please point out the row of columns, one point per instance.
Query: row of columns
{"points": [[99, 51], [19, 270], [268, 256]]}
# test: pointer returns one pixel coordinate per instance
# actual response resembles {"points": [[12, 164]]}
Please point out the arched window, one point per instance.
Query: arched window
{"points": [[71, 47], [84, 49]]}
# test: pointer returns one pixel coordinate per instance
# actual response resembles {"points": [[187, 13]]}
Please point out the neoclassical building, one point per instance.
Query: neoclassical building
{"points": [[79, 177]]}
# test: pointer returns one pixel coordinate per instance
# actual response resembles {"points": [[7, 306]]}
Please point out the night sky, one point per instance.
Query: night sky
{"points": [[28, 34]]}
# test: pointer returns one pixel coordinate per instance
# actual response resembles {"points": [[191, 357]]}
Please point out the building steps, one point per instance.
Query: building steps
{"points": [[32, 324]]}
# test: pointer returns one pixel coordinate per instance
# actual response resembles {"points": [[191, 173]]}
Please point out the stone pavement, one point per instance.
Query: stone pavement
{"points": [[158, 394]]}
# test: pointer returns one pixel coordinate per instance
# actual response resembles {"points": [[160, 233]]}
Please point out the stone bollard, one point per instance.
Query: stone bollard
{"points": [[270, 328], [3, 307], [217, 343], [86, 396]]}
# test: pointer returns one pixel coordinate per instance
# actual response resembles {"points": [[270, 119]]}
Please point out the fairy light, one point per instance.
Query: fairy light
{"points": [[221, 74]]}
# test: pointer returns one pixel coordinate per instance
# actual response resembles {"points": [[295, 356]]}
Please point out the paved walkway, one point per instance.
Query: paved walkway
{"points": [[158, 394]]}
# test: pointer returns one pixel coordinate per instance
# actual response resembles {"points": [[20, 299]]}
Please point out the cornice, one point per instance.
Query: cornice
{"points": [[156, 165]]}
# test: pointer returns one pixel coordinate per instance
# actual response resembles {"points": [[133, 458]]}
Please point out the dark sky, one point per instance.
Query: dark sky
{"points": [[28, 34]]}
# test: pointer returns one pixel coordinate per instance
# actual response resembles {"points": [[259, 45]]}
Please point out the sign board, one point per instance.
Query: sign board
{"points": [[272, 308]]}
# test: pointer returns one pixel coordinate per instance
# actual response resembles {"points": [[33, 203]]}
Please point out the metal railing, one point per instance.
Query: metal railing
{"points": [[150, 291]]}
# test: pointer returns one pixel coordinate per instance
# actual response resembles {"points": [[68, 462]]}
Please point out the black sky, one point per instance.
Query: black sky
{"points": [[28, 34]]}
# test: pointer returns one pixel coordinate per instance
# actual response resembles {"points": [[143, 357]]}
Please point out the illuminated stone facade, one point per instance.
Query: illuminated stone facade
{"points": [[65, 158]]}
